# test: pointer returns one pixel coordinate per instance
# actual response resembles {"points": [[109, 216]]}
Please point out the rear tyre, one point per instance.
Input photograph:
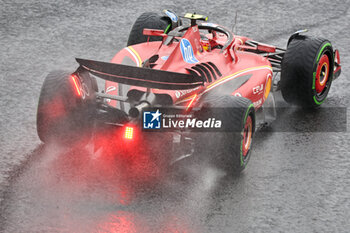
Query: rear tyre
{"points": [[147, 20], [63, 116], [307, 71], [228, 150]]}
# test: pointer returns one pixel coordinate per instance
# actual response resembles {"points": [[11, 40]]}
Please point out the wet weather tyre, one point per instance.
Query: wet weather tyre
{"points": [[63, 116], [229, 150], [307, 71], [147, 20]]}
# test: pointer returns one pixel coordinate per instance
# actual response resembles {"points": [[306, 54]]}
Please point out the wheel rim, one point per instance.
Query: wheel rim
{"points": [[322, 74], [247, 136]]}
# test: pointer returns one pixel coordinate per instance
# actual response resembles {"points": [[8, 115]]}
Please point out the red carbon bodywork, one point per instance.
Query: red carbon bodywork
{"points": [[232, 63]]}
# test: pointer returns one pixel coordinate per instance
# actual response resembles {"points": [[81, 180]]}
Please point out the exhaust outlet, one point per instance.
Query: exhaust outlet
{"points": [[137, 109]]}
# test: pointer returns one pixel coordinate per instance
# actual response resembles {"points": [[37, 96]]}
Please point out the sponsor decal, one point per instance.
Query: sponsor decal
{"points": [[258, 89], [152, 120], [172, 16], [111, 88], [165, 58], [238, 94], [257, 103], [180, 93], [187, 51]]}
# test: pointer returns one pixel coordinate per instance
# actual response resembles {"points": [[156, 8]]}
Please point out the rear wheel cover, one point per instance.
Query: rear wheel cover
{"points": [[322, 74], [247, 136]]}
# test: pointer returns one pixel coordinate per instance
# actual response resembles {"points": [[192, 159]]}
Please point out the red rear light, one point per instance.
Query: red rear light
{"points": [[76, 84], [129, 132]]}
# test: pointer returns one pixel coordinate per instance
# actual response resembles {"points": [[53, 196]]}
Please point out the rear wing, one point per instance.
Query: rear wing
{"points": [[140, 76]]}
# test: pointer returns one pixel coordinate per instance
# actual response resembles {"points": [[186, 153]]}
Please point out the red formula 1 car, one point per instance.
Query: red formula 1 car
{"points": [[187, 67]]}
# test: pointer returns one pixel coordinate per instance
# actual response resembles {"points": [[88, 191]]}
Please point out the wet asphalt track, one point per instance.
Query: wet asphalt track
{"points": [[295, 182]]}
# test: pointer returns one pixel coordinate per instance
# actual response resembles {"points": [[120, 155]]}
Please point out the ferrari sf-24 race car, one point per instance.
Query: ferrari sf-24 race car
{"points": [[196, 68]]}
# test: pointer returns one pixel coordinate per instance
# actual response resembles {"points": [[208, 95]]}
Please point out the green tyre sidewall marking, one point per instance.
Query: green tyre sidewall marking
{"points": [[314, 73], [245, 119], [317, 102]]}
